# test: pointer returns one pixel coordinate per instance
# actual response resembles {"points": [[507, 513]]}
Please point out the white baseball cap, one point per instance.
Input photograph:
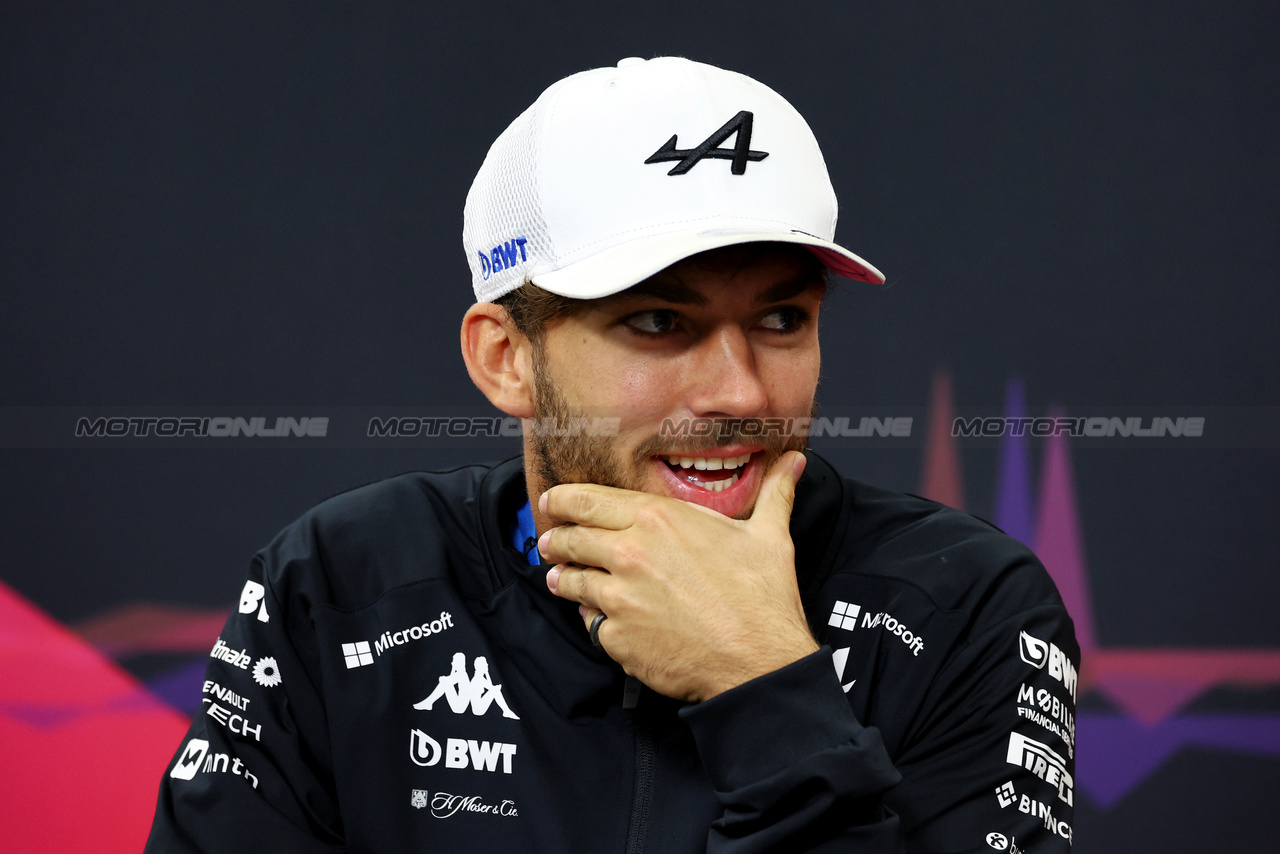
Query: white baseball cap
{"points": [[616, 173]]}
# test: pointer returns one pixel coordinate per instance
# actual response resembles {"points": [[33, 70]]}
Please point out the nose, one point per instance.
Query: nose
{"points": [[726, 381]]}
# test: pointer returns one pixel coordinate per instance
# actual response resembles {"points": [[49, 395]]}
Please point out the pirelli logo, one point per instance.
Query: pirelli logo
{"points": [[1042, 761]]}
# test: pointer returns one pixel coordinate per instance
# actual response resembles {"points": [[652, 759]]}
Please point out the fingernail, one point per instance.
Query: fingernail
{"points": [[582, 611], [797, 467], [542, 503], [542, 543], [553, 578]]}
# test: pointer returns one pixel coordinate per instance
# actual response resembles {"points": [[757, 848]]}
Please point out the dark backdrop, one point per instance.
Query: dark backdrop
{"points": [[254, 209]]}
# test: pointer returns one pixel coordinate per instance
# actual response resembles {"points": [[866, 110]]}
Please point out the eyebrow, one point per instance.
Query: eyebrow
{"points": [[791, 288]]}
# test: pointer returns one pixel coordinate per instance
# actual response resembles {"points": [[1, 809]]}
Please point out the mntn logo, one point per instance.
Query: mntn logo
{"points": [[460, 753], [188, 763]]}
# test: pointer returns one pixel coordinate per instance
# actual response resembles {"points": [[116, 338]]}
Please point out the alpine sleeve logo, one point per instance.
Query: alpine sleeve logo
{"points": [[740, 154]]}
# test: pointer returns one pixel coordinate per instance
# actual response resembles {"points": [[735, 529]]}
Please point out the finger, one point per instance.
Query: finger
{"points": [[778, 492], [590, 504], [578, 584], [577, 544]]}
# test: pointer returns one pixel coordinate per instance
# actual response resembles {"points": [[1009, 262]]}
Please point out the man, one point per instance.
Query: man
{"points": [[664, 628]]}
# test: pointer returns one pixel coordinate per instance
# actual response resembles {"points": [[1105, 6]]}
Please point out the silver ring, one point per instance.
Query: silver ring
{"points": [[595, 629]]}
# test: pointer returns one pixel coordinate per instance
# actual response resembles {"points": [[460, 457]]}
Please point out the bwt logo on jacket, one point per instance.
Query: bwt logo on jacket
{"points": [[503, 256], [460, 752], [1037, 653]]}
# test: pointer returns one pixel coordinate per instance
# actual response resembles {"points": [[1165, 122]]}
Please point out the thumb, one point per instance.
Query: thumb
{"points": [[778, 492]]}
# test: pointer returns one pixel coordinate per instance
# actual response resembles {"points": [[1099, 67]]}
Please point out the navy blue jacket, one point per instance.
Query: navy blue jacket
{"points": [[398, 678]]}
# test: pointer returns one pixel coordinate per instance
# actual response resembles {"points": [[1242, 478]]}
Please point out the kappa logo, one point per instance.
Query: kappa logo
{"points": [[251, 597], [475, 693], [740, 154], [841, 657]]}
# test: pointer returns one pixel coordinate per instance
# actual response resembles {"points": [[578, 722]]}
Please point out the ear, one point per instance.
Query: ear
{"points": [[499, 358]]}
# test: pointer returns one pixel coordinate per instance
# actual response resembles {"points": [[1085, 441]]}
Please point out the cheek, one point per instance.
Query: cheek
{"points": [[792, 381]]}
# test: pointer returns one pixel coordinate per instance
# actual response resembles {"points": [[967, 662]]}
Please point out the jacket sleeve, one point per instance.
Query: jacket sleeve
{"points": [[792, 766], [991, 765], [252, 773]]}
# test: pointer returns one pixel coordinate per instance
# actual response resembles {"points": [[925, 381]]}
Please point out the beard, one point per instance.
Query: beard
{"points": [[565, 451]]}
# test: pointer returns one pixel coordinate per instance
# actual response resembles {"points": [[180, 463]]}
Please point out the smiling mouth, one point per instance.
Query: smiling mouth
{"points": [[714, 474]]}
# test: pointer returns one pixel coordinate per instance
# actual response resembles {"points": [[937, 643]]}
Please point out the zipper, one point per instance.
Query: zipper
{"points": [[643, 792]]}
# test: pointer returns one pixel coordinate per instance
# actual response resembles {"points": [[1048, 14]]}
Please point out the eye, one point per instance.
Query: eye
{"points": [[656, 322], [784, 319]]}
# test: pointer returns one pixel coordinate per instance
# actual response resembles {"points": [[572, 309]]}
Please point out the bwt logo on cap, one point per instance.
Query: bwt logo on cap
{"points": [[503, 257]]}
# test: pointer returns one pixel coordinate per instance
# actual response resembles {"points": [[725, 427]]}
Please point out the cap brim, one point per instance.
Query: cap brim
{"points": [[620, 267]]}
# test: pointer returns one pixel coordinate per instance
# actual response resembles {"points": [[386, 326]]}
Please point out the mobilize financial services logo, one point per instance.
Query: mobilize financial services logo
{"points": [[360, 653]]}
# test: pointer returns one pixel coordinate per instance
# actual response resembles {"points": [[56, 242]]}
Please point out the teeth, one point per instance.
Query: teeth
{"points": [[717, 485], [710, 463]]}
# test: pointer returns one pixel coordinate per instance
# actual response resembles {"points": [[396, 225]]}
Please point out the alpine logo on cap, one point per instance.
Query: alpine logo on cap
{"points": [[689, 157]]}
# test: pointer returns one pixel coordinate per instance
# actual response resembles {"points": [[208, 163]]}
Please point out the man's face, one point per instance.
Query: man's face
{"points": [[704, 339]]}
